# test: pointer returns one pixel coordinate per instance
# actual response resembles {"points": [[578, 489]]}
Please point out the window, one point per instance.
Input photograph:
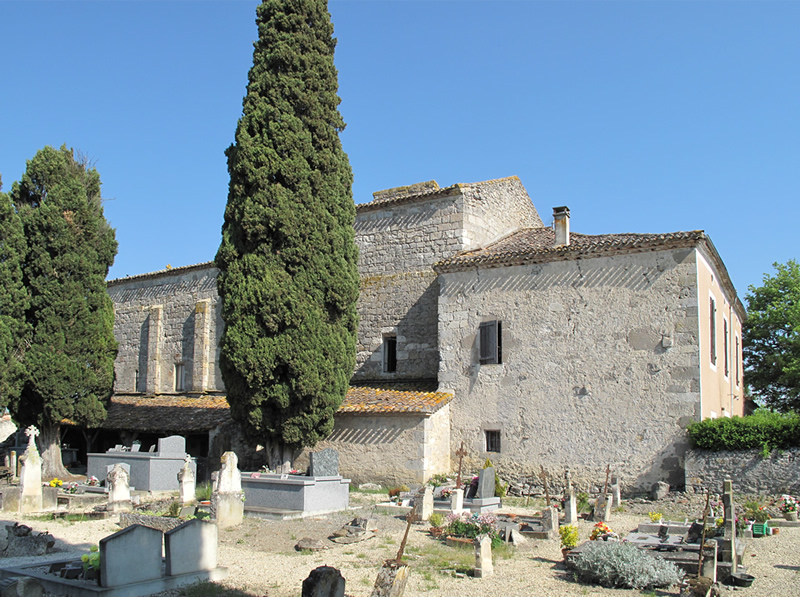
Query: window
{"points": [[492, 440], [725, 344], [179, 377], [389, 354], [136, 381], [491, 343], [713, 331]]}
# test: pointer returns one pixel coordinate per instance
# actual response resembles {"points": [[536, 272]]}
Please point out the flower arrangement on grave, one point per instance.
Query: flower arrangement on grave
{"points": [[92, 481], [569, 536], [787, 504], [71, 487], [655, 516], [91, 560], [464, 525], [603, 532], [446, 493], [56, 482]]}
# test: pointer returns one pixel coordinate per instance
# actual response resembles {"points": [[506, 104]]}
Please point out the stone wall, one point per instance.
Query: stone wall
{"points": [[751, 473], [163, 320], [599, 365], [392, 449]]}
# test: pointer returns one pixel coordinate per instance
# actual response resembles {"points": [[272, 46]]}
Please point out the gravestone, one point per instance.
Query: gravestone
{"points": [[227, 500], [174, 445], [550, 521], [571, 509], [427, 504], [486, 483], [13, 464], [187, 483], [483, 556], [30, 478], [130, 555], [324, 463], [119, 490], [600, 508], [324, 581], [191, 547], [607, 511], [615, 489], [457, 501]]}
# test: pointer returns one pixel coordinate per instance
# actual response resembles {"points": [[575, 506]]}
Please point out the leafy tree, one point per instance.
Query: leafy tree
{"points": [[288, 278], [771, 339], [70, 359], [13, 299]]}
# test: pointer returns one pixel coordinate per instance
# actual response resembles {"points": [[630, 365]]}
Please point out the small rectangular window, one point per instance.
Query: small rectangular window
{"points": [[179, 377], [736, 361], [389, 354], [713, 331], [136, 382], [491, 344], [492, 440]]}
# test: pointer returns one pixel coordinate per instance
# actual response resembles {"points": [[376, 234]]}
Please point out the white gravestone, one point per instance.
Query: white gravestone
{"points": [[483, 556], [427, 503], [227, 500], [457, 501], [119, 489], [571, 511], [187, 483], [31, 475]]}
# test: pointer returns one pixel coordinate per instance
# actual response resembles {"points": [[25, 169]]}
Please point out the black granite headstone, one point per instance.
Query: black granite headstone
{"points": [[324, 581]]}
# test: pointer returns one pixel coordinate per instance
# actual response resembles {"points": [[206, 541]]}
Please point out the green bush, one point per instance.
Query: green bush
{"points": [[621, 565], [764, 430], [203, 491], [436, 519]]}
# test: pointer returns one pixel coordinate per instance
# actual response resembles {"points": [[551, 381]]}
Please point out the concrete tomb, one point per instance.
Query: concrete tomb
{"points": [[149, 471], [294, 496]]}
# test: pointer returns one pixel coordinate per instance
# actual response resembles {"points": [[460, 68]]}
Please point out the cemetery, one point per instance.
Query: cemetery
{"points": [[292, 533]]}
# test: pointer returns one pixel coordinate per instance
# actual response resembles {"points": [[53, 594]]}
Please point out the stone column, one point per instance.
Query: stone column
{"points": [[202, 318], [729, 538], [153, 382]]}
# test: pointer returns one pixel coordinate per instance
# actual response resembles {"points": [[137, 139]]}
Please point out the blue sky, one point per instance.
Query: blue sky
{"points": [[641, 116]]}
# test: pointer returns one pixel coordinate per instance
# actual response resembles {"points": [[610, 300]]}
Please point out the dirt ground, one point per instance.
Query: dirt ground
{"points": [[262, 561]]}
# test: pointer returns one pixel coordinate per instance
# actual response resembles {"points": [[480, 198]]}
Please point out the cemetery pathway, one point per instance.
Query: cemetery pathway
{"points": [[262, 561]]}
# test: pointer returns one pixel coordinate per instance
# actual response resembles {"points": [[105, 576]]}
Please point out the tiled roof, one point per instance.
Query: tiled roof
{"points": [[200, 413], [536, 245], [371, 400], [166, 413], [170, 271]]}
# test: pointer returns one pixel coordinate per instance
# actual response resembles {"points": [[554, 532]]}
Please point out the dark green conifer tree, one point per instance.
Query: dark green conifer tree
{"points": [[69, 361], [13, 300], [288, 277]]}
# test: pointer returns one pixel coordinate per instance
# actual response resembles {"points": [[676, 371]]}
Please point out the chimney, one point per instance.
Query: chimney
{"points": [[561, 225]]}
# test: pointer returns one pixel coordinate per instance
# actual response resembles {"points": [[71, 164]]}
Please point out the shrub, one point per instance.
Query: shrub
{"points": [[764, 430], [582, 502], [623, 566], [436, 519], [203, 491], [569, 536]]}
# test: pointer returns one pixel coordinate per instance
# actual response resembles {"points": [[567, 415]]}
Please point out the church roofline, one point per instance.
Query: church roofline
{"points": [[162, 273]]}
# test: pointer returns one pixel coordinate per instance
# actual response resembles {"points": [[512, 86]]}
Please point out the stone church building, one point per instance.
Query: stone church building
{"points": [[531, 345]]}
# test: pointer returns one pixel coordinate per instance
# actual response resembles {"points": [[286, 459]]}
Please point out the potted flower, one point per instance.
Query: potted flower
{"points": [[788, 506], [569, 538], [655, 516]]}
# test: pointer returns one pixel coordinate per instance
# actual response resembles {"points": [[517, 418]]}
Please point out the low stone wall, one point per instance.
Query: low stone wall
{"points": [[751, 473], [159, 523]]}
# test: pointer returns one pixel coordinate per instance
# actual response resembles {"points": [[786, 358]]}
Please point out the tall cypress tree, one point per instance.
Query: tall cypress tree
{"points": [[288, 277], [69, 361], [13, 300]]}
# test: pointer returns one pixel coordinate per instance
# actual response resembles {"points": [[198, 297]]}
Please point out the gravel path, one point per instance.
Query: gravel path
{"points": [[261, 559]]}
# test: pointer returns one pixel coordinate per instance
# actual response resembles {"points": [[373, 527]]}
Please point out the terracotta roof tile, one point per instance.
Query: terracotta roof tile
{"points": [[533, 245], [200, 413]]}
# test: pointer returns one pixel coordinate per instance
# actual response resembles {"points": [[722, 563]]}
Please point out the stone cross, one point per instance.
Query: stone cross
{"points": [[32, 432], [461, 452], [543, 476]]}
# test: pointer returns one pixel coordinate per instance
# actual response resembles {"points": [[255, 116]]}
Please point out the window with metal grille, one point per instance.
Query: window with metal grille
{"points": [[389, 354], [492, 440], [491, 345]]}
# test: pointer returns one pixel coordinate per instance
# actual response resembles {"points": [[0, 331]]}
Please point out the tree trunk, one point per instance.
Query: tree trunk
{"points": [[281, 457], [50, 448]]}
